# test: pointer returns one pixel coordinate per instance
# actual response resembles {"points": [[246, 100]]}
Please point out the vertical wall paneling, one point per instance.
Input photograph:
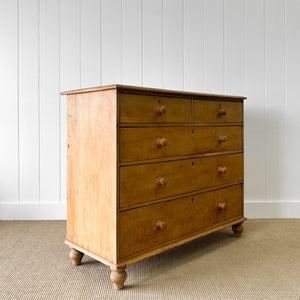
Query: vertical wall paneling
{"points": [[246, 47], [152, 43], [292, 98], [173, 44], [193, 45], [9, 188], [49, 102], [132, 42], [111, 41], [234, 47], [254, 112], [214, 46], [29, 100], [275, 100], [70, 71], [90, 43]]}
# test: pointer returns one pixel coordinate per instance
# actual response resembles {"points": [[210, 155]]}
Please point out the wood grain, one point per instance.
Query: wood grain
{"points": [[76, 256], [92, 172], [141, 143], [156, 91], [143, 178], [118, 277], [141, 183], [217, 111], [148, 109], [182, 216], [177, 242]]}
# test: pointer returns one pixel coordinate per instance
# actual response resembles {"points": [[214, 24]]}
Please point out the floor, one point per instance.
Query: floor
{"points": [[263, 264]]}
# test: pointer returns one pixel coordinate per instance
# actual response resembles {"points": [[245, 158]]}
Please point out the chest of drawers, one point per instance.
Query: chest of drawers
{"points": [[149, 170]]}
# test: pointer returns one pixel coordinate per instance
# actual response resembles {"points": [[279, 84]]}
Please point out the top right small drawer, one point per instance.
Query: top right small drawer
{"points": [[209, 111]]}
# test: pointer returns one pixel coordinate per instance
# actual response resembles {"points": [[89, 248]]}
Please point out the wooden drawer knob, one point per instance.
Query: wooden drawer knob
{"points": [[161, 180], [160, 225], [221, 205], [222, 170], [160, 110], [222, 139], [161, 142], [222, 112]]}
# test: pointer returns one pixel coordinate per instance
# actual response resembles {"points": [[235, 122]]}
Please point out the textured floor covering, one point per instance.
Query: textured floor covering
{"points": [[263, 264]]}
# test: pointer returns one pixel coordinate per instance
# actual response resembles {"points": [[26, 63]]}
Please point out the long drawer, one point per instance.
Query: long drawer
{"points": [[149, 226], [157, 142], [147, 182], [136, 108]]}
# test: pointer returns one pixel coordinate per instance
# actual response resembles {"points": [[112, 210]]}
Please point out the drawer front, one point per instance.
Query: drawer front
{"points": [[147, 182], [217, 111], [154, 109], [149, 226], [158, 142]]}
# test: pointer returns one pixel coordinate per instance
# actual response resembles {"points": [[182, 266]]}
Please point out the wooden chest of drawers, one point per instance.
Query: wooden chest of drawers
{"points": [[149, 170]]}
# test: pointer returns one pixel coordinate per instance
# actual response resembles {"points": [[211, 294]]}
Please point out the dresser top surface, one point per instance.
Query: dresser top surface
{"points": [[137, 89]]}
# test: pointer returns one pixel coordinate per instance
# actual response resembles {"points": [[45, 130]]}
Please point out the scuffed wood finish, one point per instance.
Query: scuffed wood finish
{"points": [[92, 175], [118, 277], [147, 182], [154, 109], [182, 216], [149, 170], [217, 111], [146, 143], [76, 257]]}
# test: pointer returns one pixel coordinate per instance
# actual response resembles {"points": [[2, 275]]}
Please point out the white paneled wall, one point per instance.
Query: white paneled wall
{"points": [[243, 47]]}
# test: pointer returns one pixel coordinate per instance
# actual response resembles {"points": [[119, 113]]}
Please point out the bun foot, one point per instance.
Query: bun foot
{"points": [[118, 277], [76, 257], [237, 229]]}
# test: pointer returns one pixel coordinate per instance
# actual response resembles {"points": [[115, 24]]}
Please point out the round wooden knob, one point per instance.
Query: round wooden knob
{"points": [[221, 205], [222, 139], [222, 112], [160, 110], [161, 180], [222, 170], [160, 225], [161, 142]]}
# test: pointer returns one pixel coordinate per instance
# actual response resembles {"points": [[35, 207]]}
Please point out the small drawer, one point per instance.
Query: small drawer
{"points": [[217, 111], [157, 142], [148, 182], [150, 226], [136, 108]]}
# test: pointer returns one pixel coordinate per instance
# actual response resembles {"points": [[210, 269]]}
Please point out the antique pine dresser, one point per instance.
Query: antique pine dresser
{"points": [[150, 169]]}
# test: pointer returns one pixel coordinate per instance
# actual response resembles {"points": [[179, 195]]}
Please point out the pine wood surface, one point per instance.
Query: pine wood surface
{"points": [[217, 111], [139, 228], [92, 176], [154, 109], [150, 169], [140, 183], [142, 143], [155, 91], [160, 248]]}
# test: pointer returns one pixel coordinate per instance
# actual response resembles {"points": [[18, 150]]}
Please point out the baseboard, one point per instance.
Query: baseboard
{"points": [[32, 211], [56, 211], [272, 209]]}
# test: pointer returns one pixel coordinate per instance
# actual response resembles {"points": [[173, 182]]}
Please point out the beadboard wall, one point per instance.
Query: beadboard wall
{"points": [[239, 47]]}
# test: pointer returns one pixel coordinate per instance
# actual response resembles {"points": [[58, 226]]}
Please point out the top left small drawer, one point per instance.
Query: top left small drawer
{"points": [[136, 108]]}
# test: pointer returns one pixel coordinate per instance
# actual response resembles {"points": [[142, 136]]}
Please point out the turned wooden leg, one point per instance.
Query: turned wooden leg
{"points": [[118, 277], [237, 229], [76, 257]]}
